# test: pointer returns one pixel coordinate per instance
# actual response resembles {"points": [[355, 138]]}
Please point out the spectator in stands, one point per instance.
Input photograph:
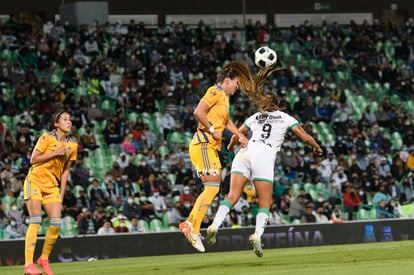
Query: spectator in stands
{"points": [[96, 195], [308, 216], [381, 194], [69, 203], [336, 216], [123, 160], [112, 192], [80, 173], [158, 201], [131, 170], [122, 225], [87, 224], [126, 188], [384, 167], [128, 145], [112, 135], [321, 216], [130, 208], [88, 139], [135, 226], [351, 200], [297, 208], [338, 179], [82, 201], [275, 218], [116, 171], [3, 216], [106, 228], [177, 213], [7, 176], [12, 229], [167, 124], [145, 171], [15, 213], [147, 208], [187, 198]]}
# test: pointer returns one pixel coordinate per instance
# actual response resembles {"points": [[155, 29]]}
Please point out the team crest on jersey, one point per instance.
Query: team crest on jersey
{"points": [[213, 93], [35, 193]]}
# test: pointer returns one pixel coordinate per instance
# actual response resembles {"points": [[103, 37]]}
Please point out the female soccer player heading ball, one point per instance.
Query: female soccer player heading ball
{"points": [[256, 161]]}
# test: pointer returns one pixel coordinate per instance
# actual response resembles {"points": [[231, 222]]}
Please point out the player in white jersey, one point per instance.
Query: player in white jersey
{"points": [[256, 162]]}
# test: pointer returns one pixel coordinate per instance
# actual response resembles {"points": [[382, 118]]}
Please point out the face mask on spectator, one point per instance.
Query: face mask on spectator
{"points": [[130, 201], [14, 208], [13, 223]]}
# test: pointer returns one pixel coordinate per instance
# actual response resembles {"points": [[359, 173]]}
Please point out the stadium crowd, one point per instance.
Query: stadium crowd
{"points": [[131, 90]]}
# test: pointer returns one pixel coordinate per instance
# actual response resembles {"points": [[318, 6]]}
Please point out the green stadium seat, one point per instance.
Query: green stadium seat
{"points": [[164, 151], [144, 225], [366, 214], [69, 227], [44, 227], [156, 225]]}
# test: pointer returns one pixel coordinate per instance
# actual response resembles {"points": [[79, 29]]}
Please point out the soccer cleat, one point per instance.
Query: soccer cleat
{"points": [[256, 243], [196, 242], [31, 269], [211, 234], [186, 228], [44, 263]]}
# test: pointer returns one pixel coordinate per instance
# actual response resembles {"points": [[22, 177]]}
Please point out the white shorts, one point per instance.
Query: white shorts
{"points": [[255, 162]]}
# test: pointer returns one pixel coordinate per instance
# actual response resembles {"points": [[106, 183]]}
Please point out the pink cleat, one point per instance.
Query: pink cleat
{"points": [[44, 263], [31, 269]]}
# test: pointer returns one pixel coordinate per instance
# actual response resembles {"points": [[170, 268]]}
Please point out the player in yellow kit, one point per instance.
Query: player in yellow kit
{"points": [[212, 113], [45, 185]]}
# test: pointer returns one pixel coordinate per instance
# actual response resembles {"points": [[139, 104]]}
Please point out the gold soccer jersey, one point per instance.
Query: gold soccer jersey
{"points": [[47, 175], [218, 103]]}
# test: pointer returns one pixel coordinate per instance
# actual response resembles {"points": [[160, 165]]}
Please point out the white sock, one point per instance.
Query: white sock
{"points": [[261, 221], [221, 214]]}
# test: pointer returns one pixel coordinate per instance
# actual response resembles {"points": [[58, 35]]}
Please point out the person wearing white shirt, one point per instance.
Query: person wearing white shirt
{"points": [[167, 124], [106, 228], [159, 202]]}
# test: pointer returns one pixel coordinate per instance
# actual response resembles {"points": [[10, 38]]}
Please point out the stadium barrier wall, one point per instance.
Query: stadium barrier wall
{"points": [[83, 248]]}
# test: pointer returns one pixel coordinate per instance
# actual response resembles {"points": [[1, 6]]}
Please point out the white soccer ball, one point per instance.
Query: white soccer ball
{"points": [[265, 57]]}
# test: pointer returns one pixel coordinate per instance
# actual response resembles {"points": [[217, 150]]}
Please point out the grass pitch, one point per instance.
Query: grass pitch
{"points": [[371, 258]]}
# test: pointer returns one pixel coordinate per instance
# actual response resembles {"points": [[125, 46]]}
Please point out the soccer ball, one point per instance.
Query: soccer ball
{"points": [[265, 57]]}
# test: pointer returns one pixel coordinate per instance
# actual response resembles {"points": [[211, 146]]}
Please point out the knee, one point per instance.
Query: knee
{"points": [[55, 221]]}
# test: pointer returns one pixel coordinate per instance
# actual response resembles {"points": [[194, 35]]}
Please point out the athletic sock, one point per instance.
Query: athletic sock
{"points": [[31, 239], [261, 221], [222, 211], [202, 204], [51, 237]]}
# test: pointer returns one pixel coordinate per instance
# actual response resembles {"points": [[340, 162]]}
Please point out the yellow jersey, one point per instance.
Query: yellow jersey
{"points": [[48, 174], [218, 113]]}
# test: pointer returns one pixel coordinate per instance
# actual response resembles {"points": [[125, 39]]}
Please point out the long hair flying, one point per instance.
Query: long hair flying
{"points": [[252, 85], [264, 101], [240, 70]]}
